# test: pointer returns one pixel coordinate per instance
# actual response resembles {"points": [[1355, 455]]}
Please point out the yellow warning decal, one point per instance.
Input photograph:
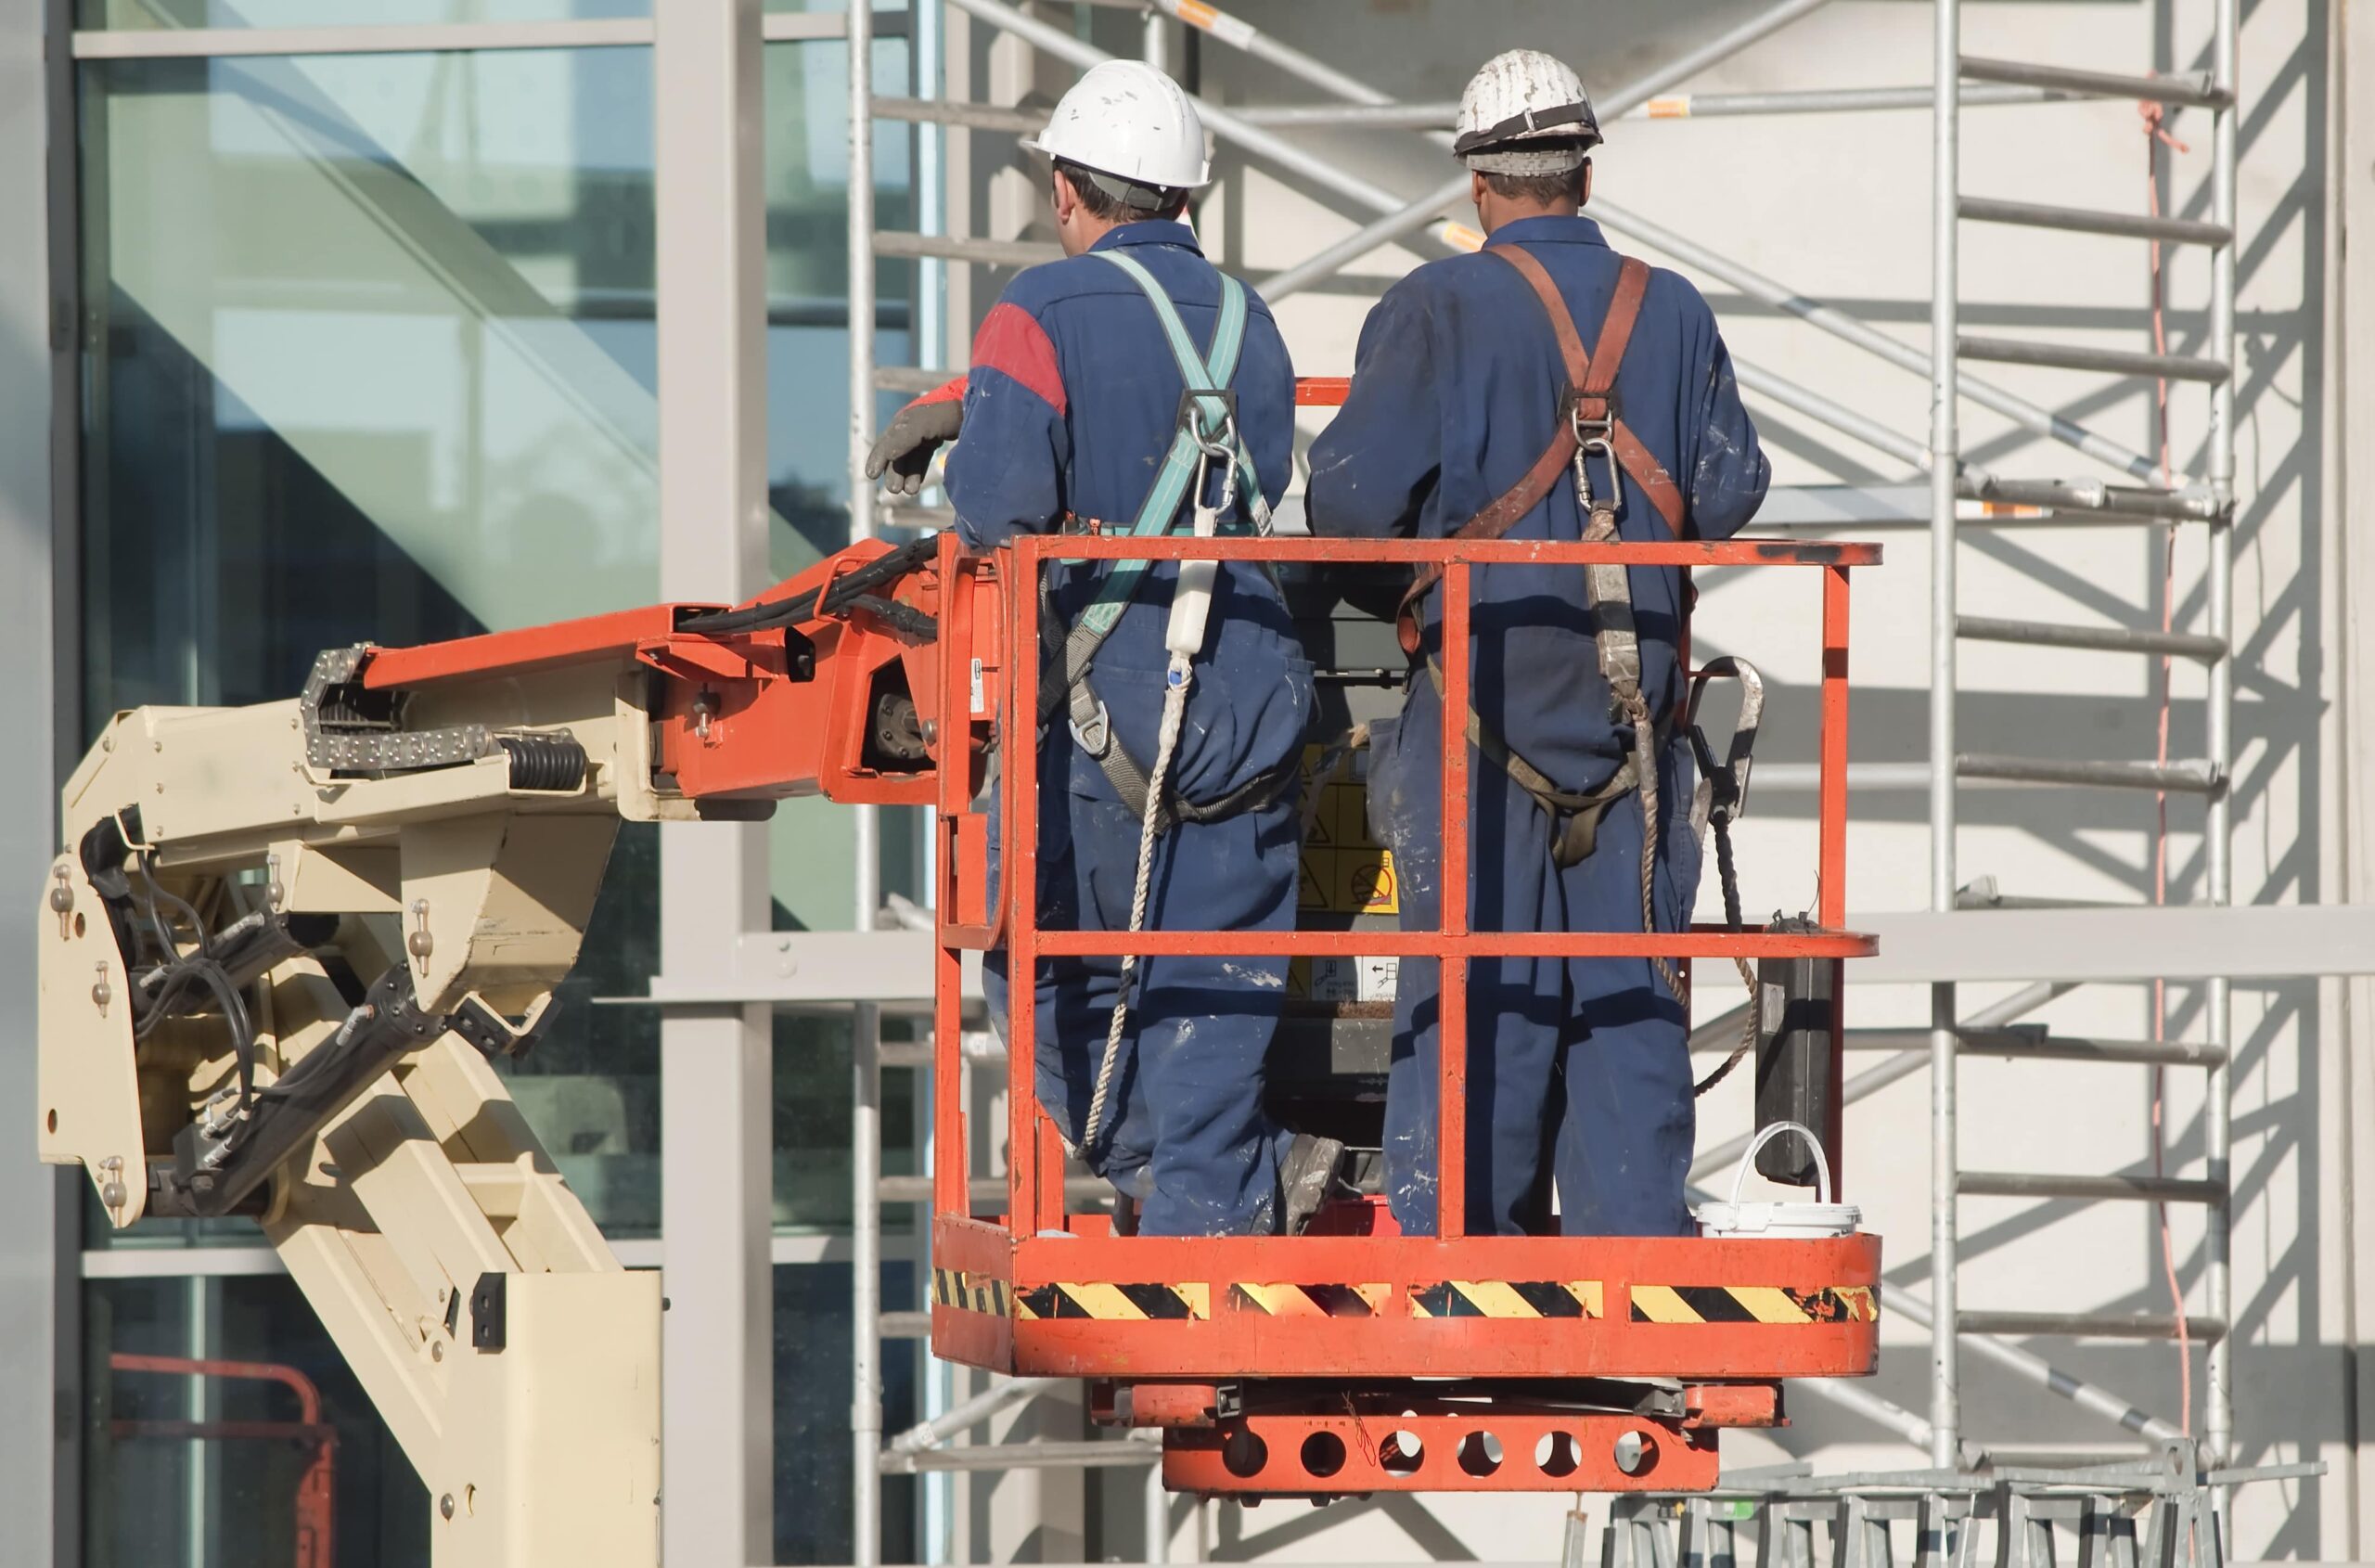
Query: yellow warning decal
{"points": [[1343, 869], [1309, 1301], [971, 1293], [1755, 1303], [1507, 1298], [1114, 1304]]}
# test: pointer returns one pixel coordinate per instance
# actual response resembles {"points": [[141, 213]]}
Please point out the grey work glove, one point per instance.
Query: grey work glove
{"points": [[903, 453]]}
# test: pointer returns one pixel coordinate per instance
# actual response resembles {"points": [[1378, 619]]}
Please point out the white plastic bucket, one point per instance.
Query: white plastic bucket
{"points": [[1782, 1222]]}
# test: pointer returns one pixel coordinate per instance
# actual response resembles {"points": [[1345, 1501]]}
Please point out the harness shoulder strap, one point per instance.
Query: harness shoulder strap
{"points": [[1205, 417], [1206, 373], [1214, 370], [1593, 389], [1591, 379]]}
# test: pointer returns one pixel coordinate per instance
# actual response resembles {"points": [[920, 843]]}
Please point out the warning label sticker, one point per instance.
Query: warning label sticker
{"points": [[1344, 871], [1342, 980]]}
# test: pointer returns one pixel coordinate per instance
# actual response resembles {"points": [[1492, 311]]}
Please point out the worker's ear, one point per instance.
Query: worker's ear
{"points": [[1477, 191], [1584, 186], [1067, 199]]}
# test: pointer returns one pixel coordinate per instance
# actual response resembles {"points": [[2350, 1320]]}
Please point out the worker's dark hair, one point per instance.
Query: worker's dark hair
{"points": [[1092, 188], [1540, 190]]}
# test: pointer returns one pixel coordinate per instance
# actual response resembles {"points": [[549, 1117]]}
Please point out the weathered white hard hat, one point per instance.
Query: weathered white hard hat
{"points": [[1524, 113], [1126, 119]]}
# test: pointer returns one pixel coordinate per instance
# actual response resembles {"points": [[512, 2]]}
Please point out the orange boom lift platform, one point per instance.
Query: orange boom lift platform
{"points": [[1351, 1361]]}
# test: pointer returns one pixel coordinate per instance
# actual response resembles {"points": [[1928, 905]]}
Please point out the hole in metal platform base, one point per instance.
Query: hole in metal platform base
{"points": [[1556, 1455], [1244, 1454], [1323, 1454], [1401, 1453], [1479, 1453]]}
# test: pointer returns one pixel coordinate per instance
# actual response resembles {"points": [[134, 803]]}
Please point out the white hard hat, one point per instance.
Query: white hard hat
{"points": [[1522, 97], [1128, 120]]}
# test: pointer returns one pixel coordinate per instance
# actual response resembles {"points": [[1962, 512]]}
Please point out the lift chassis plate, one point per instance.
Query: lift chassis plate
{"points": [[1489, 1451]]}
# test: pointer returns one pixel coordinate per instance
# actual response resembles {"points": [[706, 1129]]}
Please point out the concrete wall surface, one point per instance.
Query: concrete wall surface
{"points": [[1838, 207]]}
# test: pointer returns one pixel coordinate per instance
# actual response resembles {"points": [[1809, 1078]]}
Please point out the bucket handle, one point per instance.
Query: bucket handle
{"points": [[1822, 1164]]}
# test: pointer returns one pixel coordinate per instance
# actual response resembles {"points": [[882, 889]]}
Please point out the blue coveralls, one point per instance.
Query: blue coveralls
{"points": [[1455, 393], [1071, 400]]}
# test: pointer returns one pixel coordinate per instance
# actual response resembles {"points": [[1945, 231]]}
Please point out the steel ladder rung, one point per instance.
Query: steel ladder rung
{"points": [[963, 248], [2110, 1188], [2077, 356], [986, 1189], [2087, 1325], [2104, 639], [909, 378], [952, 111], [2196, 89], [918, 1053], [2093, 495], [2193, 777], [2021, 1045], [905, 1326], [2087, 220], [1027, 1455], [2019, 1042]]}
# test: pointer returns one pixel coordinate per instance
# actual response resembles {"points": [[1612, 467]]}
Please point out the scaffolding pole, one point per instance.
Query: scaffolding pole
{"points": [[1366, 107], [2218, 828], [866, 1020], [1946, 1394]]}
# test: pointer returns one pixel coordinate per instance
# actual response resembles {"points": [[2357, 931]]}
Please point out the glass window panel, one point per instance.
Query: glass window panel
{"points": [[229, 1503], [807, 195], [813, 1388], [369, 363], [371, 358], [137, 14], [811, 1122]]}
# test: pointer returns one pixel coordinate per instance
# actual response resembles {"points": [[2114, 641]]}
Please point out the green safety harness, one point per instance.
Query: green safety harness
{"points": [[1206, 436]]}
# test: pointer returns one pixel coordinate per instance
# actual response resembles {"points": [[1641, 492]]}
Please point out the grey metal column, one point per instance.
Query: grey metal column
{"points": [[1154, 1502], [717, 1085], [1945, 1413], [866, 1020], [40, 1296], [2219, 1397]]}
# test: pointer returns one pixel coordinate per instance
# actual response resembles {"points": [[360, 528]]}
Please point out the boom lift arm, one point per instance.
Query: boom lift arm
{"points": [[286, 940]]}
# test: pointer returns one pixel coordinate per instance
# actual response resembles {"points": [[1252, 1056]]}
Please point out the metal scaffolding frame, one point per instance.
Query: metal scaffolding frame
{"points": [[2214, 91], [2137, 494]]}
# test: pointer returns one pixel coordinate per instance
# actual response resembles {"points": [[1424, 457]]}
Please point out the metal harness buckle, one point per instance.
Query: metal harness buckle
{"points": [[1596, 435], [1102, 727]]}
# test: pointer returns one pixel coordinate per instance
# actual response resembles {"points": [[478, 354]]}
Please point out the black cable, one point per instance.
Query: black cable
{"points": [[836, 595], [902, 618], [184, 969], [1729, 874]]}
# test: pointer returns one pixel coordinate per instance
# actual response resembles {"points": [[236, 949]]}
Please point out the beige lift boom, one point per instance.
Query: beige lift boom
{"points": [[285, 942]]}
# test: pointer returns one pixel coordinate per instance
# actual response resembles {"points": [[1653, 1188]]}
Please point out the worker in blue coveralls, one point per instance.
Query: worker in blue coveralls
{"points": [[1472, 397], [1181, 687]]}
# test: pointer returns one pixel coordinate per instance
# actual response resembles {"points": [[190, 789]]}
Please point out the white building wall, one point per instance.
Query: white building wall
{"points": [[1838, 207]]}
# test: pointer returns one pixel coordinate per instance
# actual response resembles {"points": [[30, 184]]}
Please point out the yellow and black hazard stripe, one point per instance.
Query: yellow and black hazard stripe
{"points": [[971, 1293], [1755, 1303], [1114, 1304], [1308, 1301], [1507, 1298]]}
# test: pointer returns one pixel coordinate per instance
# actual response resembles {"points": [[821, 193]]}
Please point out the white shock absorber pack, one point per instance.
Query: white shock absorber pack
{"points": [[1191, 605]]}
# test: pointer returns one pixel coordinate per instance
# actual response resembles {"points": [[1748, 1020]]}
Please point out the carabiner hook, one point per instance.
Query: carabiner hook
{"points": [[1728, 782], [1221, 448], [1596, 435]]}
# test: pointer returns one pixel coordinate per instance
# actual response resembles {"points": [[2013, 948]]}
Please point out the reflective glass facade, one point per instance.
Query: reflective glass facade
{"points": [[368, 353]]}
